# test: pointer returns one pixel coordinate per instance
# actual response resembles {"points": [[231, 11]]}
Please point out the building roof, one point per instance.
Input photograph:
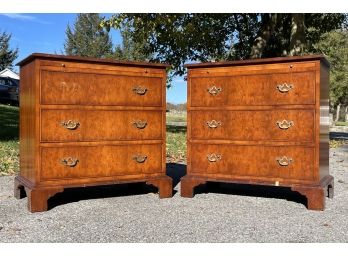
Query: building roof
{"points": [[9, 73]]}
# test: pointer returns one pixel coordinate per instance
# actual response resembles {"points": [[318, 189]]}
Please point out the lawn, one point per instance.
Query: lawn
{"points": [[176, 144], [341, 123], [176, 137], [9, 146], [181, 117]]}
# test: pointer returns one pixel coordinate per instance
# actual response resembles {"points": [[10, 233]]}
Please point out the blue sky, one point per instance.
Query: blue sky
{"points": [[45, 33]]}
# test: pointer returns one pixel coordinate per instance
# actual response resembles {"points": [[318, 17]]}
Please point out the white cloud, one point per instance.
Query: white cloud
{"points": [[19, 16], [24, 17]]}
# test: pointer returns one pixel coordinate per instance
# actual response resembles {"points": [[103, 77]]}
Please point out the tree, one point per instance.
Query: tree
{"points": [[7, 55], [178, 38], [334, 45], [131, 50], [87, 38]]}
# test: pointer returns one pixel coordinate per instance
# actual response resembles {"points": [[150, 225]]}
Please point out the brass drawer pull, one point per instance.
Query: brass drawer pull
{"points": [[284, 124], [140, 158], [284, 161], [69, 161], [213, 123], [214, 157], [140, 90], [140, 124], [284, 88], [70, 124], [214, 90]]}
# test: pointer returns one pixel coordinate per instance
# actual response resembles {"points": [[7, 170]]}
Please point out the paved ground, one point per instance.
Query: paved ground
{"points": [[222, 213]]}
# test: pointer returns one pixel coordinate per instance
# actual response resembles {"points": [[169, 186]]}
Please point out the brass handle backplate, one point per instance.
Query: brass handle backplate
{"points": [[140, 90], [285, 87], [213, 123], [69, 161], [284, 124], [214, 90], [70, 124], [214, 157], [284, 161], [140, 158], [140, 124]]}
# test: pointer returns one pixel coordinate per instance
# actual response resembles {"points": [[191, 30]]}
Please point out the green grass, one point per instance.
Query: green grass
{"points": [[176, 118], [341, 123], [9, 146], [176, 144]]}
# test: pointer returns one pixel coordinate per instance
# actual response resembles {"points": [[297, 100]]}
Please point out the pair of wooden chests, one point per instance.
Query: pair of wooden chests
{"points": [[87, 122]]}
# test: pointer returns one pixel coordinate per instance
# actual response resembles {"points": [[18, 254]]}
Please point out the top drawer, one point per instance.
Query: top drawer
{"points": [[256, 89], [96, 88]]}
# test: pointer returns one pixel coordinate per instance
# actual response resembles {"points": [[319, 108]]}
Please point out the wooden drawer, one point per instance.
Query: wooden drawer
{"points": [[253, 161], [251, 90], [78, 88], [99, 161], [270, 125], [100, 125]]}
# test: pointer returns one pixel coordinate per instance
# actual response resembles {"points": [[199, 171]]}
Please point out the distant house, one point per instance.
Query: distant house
{"points": [[8, 73]]}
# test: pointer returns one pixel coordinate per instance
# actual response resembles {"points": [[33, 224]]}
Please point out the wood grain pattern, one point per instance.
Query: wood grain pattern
{"points": [[100, 161], [66, 87], [243, 100], [254, 125], [28, 123], [86, 121], [260, 89], [51, 58], [263, 61], [254, 161], [100, 125]]}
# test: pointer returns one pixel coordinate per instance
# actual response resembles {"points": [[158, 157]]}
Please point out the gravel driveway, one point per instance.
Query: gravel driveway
{"points": [[219, 213]]}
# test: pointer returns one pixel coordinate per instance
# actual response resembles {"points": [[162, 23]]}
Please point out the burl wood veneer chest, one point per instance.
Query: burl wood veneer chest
{"points": [[260, 121], [87, 121]]}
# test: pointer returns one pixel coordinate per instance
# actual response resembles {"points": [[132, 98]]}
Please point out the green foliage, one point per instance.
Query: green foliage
{"points": [[87, 38], [131, 50], [178, 38], [7, 55], [334, 45]]}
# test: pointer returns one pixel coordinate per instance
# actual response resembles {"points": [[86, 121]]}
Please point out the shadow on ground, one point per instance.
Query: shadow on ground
{"points": [[251, 190], [176, 172]]}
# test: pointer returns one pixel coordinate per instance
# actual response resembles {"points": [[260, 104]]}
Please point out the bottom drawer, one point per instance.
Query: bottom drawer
{"points": [[99, 161], [284, 162]]}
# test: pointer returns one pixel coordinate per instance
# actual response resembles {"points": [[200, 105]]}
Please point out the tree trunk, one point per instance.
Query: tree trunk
{"points": [[338, 112], [268, 22], [346, 114], [297, 36]]}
